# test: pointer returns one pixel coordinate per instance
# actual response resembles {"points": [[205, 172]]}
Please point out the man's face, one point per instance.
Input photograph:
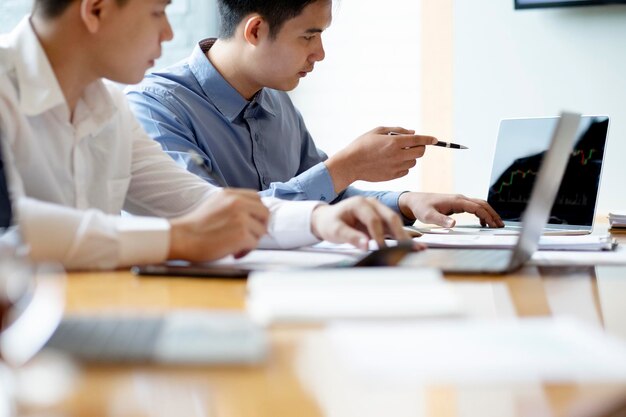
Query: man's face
{"points": [[281, 62], [130, 39]]}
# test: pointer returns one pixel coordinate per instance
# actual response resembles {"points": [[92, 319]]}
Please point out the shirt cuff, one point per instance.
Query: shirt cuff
{"points": [[396, 206], [317, 184], [290, 224], [143, 240]]}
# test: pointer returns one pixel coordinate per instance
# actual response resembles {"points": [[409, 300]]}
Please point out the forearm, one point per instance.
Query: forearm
{"points": [[341, 170], [90, 239]]}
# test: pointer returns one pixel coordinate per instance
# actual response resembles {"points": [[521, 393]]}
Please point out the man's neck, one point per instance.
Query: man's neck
{"points": [[67, 57], [227, 58]]}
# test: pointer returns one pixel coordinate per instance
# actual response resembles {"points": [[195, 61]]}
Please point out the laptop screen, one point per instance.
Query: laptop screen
{"points": [[5, 202], [519, 150]]}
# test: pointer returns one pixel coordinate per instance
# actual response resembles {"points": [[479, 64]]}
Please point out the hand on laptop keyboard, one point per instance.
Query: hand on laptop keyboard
{"points": [[433, 208]]}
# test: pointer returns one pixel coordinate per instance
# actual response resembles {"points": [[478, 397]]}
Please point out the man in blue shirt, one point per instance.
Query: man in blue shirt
{"points": [[227, 102]]}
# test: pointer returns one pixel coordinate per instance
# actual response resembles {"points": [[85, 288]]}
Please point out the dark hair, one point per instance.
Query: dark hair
{"points": [[275, 12], [55, 8]]}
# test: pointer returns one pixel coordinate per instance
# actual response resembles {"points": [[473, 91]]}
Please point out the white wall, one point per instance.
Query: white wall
{"points": [[192, 20], [531, 63], [11, 12], [370, 77]]}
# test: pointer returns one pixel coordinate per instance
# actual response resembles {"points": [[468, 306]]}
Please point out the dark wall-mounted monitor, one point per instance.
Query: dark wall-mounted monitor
{"points": [[532, 4]]}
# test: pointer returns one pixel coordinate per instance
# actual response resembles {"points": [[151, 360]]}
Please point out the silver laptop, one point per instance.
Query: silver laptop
{"points": [[535, 216], [520, 147]]}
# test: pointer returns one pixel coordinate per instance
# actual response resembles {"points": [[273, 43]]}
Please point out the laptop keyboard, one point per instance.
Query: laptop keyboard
{"points": [[108, 339]]}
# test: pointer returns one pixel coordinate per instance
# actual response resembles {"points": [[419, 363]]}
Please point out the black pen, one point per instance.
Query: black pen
{"points": [[198, 161], [439, 143]]}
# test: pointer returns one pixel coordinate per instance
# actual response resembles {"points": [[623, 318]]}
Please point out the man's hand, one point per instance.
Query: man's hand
{"points": [[228, 222], [435, 208], [356, 221], [377, 156]]}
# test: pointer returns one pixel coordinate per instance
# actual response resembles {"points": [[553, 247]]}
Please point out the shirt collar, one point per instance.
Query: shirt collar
{"points": [[40, 90], [223, 95], [38, 86]]}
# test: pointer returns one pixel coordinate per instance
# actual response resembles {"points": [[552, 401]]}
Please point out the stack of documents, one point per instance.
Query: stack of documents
{"points": [[580, 258], [563, 243], [351, 293], [617, 221]]}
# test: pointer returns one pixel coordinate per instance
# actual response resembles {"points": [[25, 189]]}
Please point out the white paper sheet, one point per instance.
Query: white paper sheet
{"points": [[571, 243], [457, 351], [319, 295], [284, 259], [617, 219], [579, 258]]}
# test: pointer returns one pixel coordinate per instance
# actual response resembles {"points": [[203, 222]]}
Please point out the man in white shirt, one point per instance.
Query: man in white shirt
{"points": [[76, 156]]}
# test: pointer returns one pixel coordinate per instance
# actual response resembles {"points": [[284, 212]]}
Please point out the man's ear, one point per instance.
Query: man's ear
{"points": [[91, 13], [255, 29]]}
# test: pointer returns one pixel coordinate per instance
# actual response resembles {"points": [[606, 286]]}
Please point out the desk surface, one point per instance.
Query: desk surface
{"points": [[286, 386]]}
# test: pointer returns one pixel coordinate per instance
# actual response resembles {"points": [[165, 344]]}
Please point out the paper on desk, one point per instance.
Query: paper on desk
{"points": [[457, 351], [573, 258], [572, 243], [344, 248], [319, 295], [474, 229], [285, 259], [618, 219]]}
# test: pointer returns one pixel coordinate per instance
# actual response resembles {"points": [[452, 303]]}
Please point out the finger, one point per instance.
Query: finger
{"points": [[256, 227], [241, 254], [345, 233], [243, 243], [387, 130], [413, 153], [479, 211], [257, 210], [418, 246], [392, 222], [410, 141], [249, 217], [262, 214], [434, 217], [243, 224], [494, 214], [367, 215]]}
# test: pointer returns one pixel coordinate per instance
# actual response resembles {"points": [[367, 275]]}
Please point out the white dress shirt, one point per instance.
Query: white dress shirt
{"points": [[70, 177]]}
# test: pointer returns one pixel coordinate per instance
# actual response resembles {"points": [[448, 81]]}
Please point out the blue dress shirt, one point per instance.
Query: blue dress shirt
{"points": [[262, 144]]}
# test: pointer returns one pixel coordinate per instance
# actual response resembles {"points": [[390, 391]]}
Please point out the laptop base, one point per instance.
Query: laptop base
{"points": [[463, 261]]}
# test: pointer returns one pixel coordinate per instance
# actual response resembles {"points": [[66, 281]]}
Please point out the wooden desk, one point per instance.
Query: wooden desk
{"points": [[290, 384]]}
